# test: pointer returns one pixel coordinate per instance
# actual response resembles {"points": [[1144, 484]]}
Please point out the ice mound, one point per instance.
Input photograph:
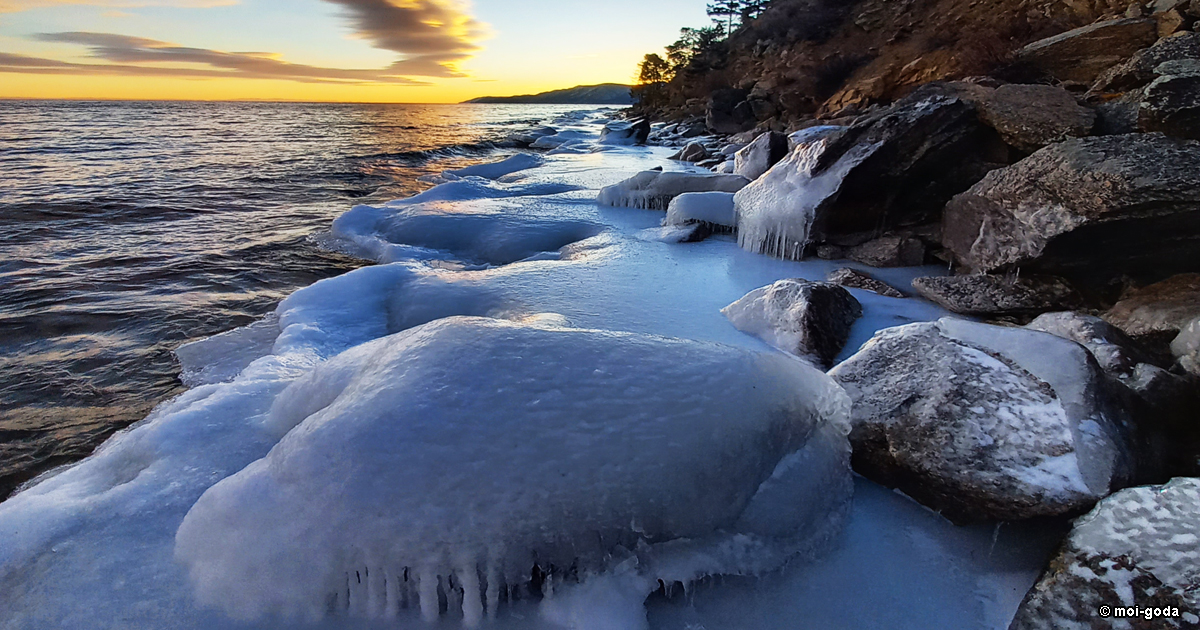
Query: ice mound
{"points": [[496, 170], [484, 233], [433, 468], [222, 357], [654, 190], [715, 208], [567, 136], [776, 211], [624, 133], [471, 187]]}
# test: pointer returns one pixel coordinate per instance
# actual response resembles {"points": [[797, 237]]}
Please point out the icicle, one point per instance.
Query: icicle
{"points": [[493, 590], [427, 585], [358, 593], [472, 604], [392, 605], [376, 593]]}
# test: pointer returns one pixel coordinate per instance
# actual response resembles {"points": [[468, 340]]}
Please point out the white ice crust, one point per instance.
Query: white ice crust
{"points": [[654, 190], [702, 207]]}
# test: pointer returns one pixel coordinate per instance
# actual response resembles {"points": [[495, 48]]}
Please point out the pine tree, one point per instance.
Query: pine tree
{"points": [[725, 11]]}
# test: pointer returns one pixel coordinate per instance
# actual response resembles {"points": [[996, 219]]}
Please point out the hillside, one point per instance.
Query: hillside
{"points": [[603, 94]]}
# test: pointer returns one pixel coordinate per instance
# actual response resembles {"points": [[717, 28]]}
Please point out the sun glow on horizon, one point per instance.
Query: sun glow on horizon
{"points": [[407, 51]]}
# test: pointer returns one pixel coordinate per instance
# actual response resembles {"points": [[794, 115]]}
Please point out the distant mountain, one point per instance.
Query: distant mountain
{"points": [[603, 94]]}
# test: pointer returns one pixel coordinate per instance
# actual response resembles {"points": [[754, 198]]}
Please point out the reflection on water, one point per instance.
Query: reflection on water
{"points": [[127, 229]]}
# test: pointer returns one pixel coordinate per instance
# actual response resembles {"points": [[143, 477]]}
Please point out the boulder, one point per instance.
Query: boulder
{"points": [[1171, 22], [625, 132], [728, 112], [985, 422], [1082, 54], [693, 152], [1116, 353], [654, 190], [1136, 549], [1028, 117], [759, 156], [889, 251], [808, 319], [1138, 71], [1158, 312], [1164, 411], [1089, 209], [996, 295], [1171, 103], [856, 279]]}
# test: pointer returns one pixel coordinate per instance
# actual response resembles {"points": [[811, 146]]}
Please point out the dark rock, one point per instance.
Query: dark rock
{"points": [[1157, 313], [729, 113], [1083, 54], [693, 152], [1119, 116], [759, 156], [807, 319], [856, 279], [831, 252], [1164, 411], [1113, 350], [904, 164], [1029, 117], [1139, 70], [1089, 209], [890, 251], [1137, 548], [1171, 104], [984, 422], [996, 295]]}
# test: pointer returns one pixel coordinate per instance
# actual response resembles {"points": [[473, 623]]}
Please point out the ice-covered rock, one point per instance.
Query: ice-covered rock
{"points": [[654, 190], [714, 208], [1186, 347], [441, 464], [1091, 208], [776, 210], [496, 170], [759, 156], [980, 294], [527, 138], [985, 422], [624, 133], [567, 136], [1139, 549], [808, 319], [855, 279], [1116, 353]]}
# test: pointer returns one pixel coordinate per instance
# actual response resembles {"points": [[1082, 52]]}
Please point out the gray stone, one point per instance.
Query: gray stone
{"points": [[805, 318], [856, 279], [1158, 311], [1139, 70], [1138, 548], [996, 295], [1028, 117], [985, 422], [1171, 103], [890, 251], [1082, 54], [1088, 209], [693, 152], [1116, 353]]}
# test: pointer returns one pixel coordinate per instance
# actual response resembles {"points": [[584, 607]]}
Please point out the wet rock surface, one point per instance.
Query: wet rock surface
{"points": [[998, 295], [807, 319]]}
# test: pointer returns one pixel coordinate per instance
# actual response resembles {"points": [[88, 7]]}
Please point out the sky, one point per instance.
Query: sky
{"points": [[399, 51]]}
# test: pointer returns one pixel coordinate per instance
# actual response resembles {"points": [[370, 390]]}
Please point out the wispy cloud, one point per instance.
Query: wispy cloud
{"points": [[136, 56], [431, 37]]}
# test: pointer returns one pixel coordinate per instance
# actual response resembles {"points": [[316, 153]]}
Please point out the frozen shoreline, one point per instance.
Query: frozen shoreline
{"points": [[94, 546]]}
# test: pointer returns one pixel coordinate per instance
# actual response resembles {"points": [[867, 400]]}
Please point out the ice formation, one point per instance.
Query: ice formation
{"points": [[496, 170], [453, 457], [776, 210], [715, 208], [808, 319], [654, 190]]}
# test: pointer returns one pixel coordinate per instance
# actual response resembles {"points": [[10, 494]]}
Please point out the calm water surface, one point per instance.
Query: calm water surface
{"points": [[127, 229]]}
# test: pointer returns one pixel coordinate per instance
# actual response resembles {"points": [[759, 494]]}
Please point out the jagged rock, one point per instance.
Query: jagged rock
{"points": [[856, 279], [1139, 70], [807, 319], [995, 295], [1171, 104], [1088, 209], [985, 422], [759, 156], [728, 112], [890, 251], [1029, 117], [1186, 347], [1083, 54], [1158, 312], [904, 164], [1116, 353], [1137, 548], [693, 152], [1171, 22]]}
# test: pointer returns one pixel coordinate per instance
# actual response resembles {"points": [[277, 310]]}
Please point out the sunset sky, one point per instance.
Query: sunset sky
{"points": [[418, 51]]}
